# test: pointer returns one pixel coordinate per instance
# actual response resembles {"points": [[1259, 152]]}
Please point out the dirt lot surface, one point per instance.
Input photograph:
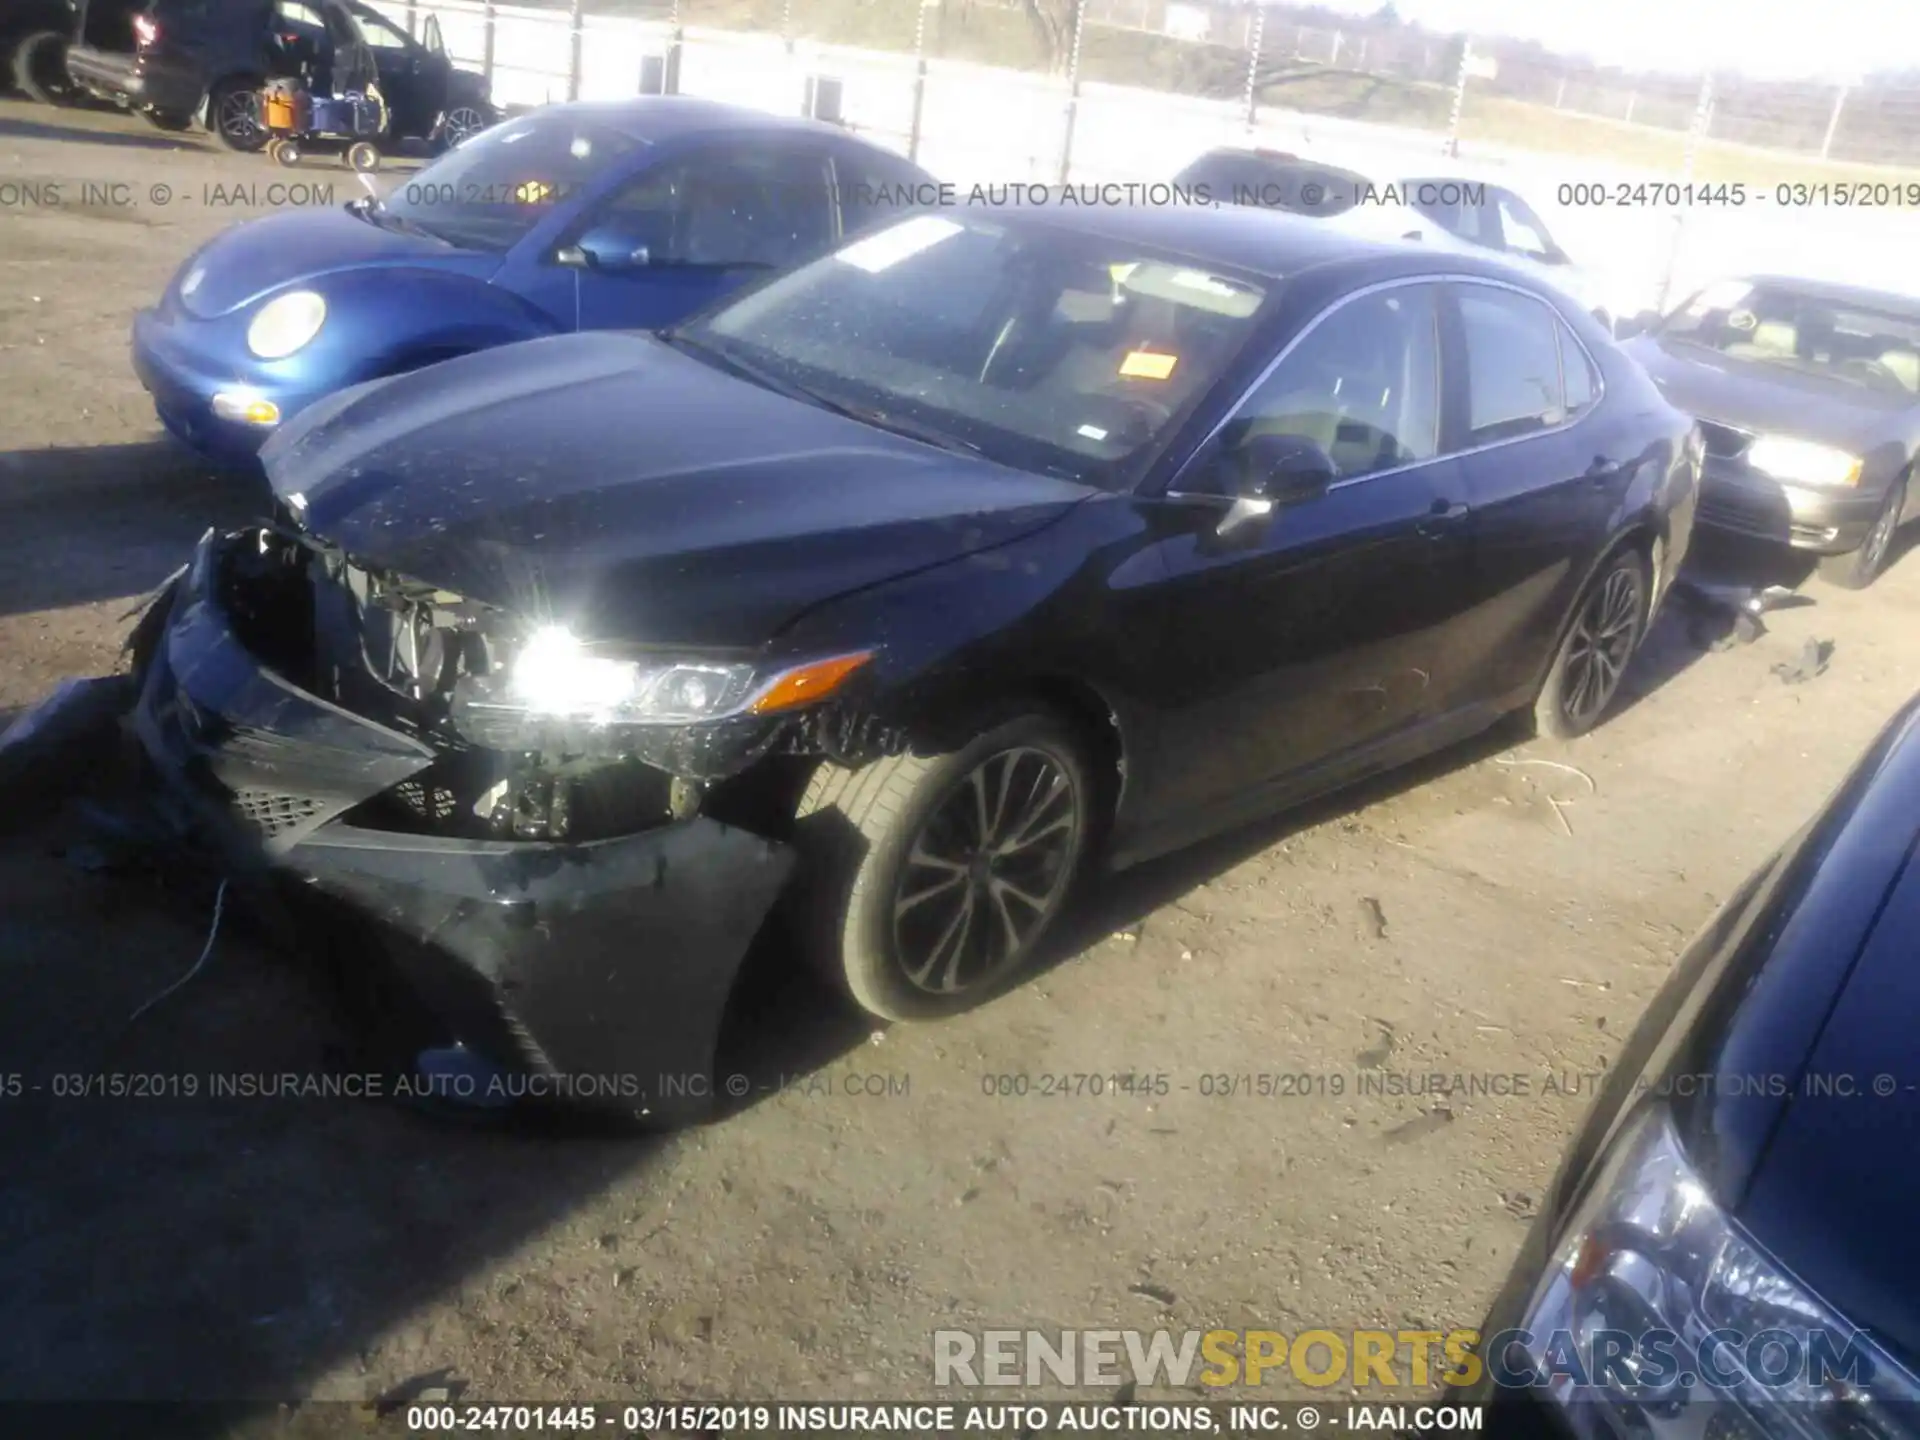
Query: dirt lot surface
{"points": [[1492, 913]]}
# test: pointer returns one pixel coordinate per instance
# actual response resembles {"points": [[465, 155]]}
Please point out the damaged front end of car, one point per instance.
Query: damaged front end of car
{"points": [[564, 848]]}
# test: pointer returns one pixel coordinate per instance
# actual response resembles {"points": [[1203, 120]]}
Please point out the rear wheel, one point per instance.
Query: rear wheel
{"points": [[1858, 569], [1607, 629], [233, 115], [931, 881], [40, 68], [462, 122]]}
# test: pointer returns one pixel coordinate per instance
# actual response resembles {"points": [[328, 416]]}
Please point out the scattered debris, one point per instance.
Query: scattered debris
{"points": [[1725, 617], [1375, 1056], [1813, 661], [53, 747], [1438, 1118], [1519, 1204], [1153, 1292], [1374, 915]]}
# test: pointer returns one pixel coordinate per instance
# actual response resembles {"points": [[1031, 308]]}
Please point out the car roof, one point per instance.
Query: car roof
{"points": [[1258, 241], [662, 117]]}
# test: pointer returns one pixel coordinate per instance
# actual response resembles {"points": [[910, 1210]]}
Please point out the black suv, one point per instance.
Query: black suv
{"points": [[170, 57]]}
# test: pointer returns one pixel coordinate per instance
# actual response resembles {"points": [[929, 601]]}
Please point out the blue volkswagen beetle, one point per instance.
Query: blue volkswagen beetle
{"points": [[628, 215]]}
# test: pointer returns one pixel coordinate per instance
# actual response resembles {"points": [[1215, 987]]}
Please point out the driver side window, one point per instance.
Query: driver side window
{"points": [[762, 209], [1363, 385]]}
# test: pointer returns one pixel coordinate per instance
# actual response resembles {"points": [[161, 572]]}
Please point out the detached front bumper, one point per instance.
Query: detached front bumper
{"points": [[1821, 522], [600, 969]]}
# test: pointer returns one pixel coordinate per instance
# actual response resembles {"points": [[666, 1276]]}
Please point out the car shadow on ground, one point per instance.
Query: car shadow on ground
{"points": [[14, 128], [81, 525]]}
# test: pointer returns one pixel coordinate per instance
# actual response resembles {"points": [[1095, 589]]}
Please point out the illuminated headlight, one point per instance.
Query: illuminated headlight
{"points": [[1801, 462], [1659, 1317], [553, 675], [286, 323]]}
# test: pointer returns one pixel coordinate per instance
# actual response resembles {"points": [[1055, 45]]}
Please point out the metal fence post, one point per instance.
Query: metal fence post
{"points": [[412, 27], [1459, 98], [676, 38], [1833, 120], [919, 83], [1696, 132], [1254, 42], [1073, 89], [574, 21], [486, 43]]}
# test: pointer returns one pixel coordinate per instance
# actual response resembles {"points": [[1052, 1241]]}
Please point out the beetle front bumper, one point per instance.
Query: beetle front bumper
{"points": [[600, 969]]}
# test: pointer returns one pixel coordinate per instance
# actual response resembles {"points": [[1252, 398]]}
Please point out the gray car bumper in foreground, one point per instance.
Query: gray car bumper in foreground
{"points": [[1823, 522], [594, 972]]}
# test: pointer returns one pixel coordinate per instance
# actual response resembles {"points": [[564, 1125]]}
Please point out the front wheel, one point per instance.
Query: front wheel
{"points": [[929, 882], [460, 124], [1607, 629], [40, 68], [1858, 569]]}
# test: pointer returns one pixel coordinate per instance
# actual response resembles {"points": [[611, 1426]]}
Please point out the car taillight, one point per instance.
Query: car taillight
{"points": [[146, 30]]}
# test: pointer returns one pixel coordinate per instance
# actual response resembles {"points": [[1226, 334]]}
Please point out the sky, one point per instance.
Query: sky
{"points": [[1764, 38]]}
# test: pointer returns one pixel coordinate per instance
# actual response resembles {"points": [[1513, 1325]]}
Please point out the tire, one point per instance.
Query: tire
{"points": [[168, 120], [857, 829], [1608, 624], [40, 68], [233, 116], [1858, 569], [462, 121], [363, 157]]}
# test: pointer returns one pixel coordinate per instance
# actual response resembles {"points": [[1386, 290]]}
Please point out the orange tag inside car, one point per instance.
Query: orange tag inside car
{"points": [[533, 192], [1145, 365]]}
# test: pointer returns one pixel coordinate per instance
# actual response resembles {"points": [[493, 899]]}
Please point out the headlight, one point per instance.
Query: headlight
{"points": [[1661, 1318], [286, 323], [1801, 462], [553, 675]]}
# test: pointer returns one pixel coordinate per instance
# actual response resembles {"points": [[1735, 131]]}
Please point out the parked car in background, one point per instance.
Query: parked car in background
{"points": [[173, 60], [993, 541], [33, 48], [1808, 396], [1728, 1247], [1430, 208], [576, 217]]}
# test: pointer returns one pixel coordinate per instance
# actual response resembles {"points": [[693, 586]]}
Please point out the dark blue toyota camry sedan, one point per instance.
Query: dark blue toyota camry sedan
{"points": [[902, 585], [576, 217], [1729, 1247]]}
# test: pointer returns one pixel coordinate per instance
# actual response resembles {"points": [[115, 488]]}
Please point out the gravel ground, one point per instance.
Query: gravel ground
{"points": [[1493, 912]]}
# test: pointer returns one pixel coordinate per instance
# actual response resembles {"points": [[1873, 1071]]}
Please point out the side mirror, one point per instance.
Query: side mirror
{"points": [[1276, 471], [603, 248]]}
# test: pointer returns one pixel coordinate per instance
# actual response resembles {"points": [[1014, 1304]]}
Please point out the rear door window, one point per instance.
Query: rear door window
{"points": [[1513, 363]]}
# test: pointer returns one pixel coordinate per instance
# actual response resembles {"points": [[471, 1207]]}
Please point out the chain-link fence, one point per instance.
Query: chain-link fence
{"points": [[1052, 91]]}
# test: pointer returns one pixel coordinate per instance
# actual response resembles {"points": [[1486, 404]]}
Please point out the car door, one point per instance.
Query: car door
{"points": [[410, 81], [1312, 635], [1545, 471], [692, 228]]}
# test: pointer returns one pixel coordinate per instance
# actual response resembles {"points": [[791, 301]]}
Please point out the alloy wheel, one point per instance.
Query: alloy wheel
{"points": [[461, 123], [239, 117], [987, 871], [1601, 644]]}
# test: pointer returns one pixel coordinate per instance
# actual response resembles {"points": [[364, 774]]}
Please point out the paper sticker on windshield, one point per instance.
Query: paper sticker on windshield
{"points": [[897, 243], [533, 192], [1146, 365]]}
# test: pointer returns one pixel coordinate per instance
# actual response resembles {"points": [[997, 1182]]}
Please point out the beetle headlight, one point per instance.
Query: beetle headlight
{"points": [[1661, 1317], [286, 323], [1801, 462], [552, 675]]}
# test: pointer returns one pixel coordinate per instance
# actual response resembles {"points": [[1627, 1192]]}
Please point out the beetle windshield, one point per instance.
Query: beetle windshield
{"points": [[491, 191], [1035, 345]]}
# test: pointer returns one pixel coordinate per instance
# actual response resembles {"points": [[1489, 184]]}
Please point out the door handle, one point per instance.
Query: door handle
{"points": [[1441, 518]]}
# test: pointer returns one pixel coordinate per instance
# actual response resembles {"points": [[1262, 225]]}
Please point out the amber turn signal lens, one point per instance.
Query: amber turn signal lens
{"points": [[806, 683]]}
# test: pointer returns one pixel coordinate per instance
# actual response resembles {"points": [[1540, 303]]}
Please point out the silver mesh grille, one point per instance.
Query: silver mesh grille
{"points": [[272, 813]]}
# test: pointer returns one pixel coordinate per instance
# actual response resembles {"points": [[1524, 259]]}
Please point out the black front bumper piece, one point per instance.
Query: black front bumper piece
{"points": [[593, 972]]}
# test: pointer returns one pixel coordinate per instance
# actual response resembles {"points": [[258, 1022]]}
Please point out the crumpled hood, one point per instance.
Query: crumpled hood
{"points": [[255, 258], [614, 484], [1758, 396]]}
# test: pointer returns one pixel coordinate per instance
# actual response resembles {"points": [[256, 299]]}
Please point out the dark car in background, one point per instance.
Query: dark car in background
{"points": [[33, 46], [1729, 1249], [904, 584], [172, 59], [1808, 396], [628, 214]]}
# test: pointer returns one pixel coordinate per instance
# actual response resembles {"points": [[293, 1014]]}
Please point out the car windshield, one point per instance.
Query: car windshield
{"points": [[1035, 346], [491, 191], [1866, 346], [1275, 182]]}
